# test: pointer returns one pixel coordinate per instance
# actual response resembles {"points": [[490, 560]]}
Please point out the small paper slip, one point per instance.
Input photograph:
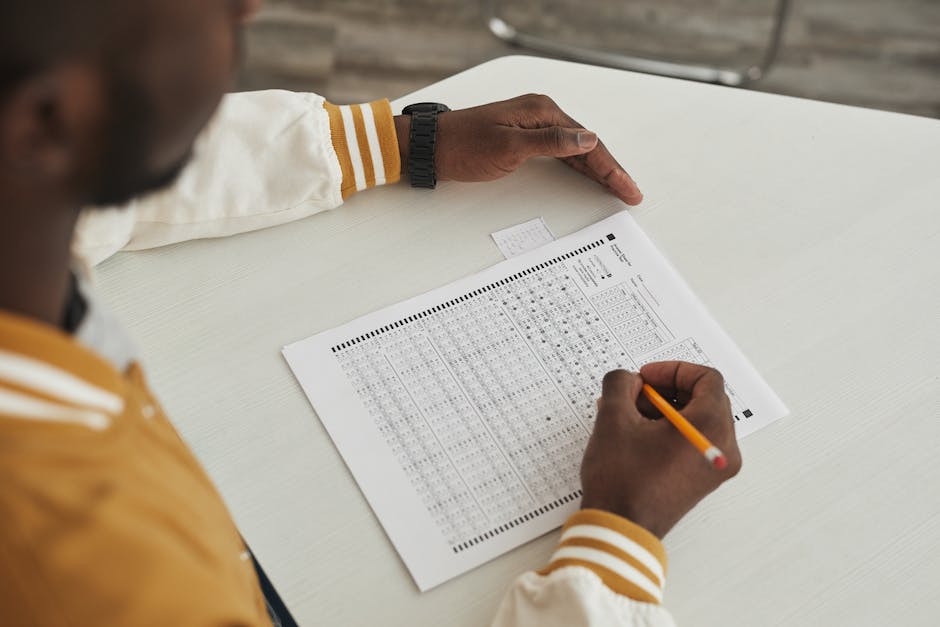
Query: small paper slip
{"points": [[463, 413], [522, 238]]}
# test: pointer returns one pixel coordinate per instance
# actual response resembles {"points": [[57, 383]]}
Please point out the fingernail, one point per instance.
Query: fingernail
{"points": [[586, 139]]}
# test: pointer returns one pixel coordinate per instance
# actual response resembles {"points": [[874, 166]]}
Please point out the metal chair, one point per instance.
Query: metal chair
{"points": [[707, 74]]}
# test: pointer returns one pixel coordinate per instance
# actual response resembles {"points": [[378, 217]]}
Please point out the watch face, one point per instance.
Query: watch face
{"points": [[425, 107]]}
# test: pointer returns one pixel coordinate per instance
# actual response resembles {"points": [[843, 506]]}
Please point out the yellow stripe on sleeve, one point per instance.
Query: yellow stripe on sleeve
{"points": [[364, 149], [338, 137]]}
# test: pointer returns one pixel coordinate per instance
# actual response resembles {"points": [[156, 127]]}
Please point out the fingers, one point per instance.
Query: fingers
{"points": [[581, 150], [599, 165], [619, 392], [681, 378], [537, 111], [699, 391]]}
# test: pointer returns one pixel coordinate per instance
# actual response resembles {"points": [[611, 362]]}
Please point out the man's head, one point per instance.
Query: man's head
{"points": [[100, 100]]}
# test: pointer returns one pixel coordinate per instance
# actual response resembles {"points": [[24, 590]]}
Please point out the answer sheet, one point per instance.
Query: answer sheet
{"points": [[463, 413]]}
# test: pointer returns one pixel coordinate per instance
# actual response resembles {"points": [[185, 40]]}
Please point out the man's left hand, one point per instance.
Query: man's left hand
{"points": [[490, 141]]}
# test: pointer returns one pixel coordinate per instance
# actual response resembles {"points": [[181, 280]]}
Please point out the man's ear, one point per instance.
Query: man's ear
{"points": [[51, 127]]}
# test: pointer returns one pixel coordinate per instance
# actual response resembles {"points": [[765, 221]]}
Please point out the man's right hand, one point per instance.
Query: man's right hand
{"points": [[637, 465]]}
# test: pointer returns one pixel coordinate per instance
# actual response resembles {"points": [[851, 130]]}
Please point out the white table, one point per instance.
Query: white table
{"points": [[809, 229]]}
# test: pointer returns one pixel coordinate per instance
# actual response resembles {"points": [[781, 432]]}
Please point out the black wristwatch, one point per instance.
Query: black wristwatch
{"points": [[422, 139]]}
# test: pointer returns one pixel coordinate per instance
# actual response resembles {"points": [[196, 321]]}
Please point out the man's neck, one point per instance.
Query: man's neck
{"points": [[35, 260]]}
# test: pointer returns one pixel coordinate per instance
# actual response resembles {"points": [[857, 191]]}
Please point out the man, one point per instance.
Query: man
{"points": [[105, 517]]}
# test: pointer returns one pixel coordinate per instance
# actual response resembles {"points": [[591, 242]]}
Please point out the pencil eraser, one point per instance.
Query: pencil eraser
{"points": [[720, 462]]}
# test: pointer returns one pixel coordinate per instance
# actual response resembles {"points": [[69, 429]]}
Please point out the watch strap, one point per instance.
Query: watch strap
{"points": [[422, 142]]}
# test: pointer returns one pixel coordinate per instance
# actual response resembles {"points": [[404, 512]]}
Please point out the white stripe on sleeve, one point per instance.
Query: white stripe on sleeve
{"points": [[352, 143]]}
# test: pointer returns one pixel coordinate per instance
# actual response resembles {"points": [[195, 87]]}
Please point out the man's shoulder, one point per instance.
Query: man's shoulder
{"points": [[106, 518]]}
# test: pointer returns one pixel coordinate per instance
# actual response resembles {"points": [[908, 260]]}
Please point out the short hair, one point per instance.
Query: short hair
{"points": [[37, 34]]}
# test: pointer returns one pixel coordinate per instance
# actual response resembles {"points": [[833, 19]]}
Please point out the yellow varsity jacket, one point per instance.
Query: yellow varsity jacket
{"points": [[107, 519]]}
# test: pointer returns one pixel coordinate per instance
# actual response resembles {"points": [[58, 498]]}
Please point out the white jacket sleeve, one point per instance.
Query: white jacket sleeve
{"points": [[266, 158], [605, 571]]}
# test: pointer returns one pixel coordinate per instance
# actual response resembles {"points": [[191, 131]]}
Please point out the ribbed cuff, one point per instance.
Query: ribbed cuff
{"points": [[629, 559], [366, 144]]}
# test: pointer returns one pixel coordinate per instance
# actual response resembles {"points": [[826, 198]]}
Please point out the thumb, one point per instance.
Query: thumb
{"points": [[558, 141], [619, 396]]}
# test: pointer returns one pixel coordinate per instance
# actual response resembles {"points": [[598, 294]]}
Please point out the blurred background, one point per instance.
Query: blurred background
{"points": [[882, 54]]}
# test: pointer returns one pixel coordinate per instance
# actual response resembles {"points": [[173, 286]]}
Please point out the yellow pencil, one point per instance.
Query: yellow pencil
{"points": [[711, 452]]}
